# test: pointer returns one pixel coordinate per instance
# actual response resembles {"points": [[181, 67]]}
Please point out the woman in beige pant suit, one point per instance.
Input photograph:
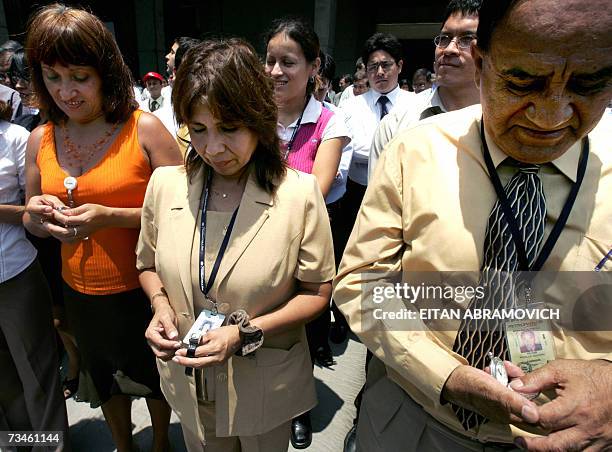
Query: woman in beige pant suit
{"points": [[265, 263]]}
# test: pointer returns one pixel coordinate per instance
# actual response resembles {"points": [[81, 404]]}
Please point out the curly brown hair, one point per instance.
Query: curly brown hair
{"points": [[71, 36], [229, 79]]}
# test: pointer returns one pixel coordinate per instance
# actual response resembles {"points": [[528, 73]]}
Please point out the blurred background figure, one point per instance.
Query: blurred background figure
{"points": [[421, 80], [345, 81], [19, 74], [360, 83], [153, 82], [30, 396], [404, 84], [49, 254], [349, 91], [6, 54]]}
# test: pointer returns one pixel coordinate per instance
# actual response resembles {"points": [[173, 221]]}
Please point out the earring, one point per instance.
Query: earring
{"points": [[311, 79]]}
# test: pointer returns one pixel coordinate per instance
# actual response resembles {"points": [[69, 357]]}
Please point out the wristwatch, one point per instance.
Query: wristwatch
{"points": [[194, 341]]}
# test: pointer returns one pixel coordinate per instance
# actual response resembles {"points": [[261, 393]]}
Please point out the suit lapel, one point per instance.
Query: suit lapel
{"points": [[183, 216], [252, 214]]}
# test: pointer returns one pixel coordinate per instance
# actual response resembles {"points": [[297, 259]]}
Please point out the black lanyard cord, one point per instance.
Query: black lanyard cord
{"points": [[205, 287], [511, 219], [295, 130]]}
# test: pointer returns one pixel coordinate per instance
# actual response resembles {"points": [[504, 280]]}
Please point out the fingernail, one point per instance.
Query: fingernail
{"points": [[516, 384], [529, 413], [520, 443], [175, 359], [177, 345], [173, 334]]}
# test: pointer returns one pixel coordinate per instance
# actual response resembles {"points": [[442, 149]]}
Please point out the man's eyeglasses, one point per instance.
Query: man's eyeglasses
{"points": [[463, 42], [385, 65]]}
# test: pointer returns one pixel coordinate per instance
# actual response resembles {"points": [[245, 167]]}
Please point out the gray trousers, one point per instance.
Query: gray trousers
{"points": [[390, 421], [30, 390]]}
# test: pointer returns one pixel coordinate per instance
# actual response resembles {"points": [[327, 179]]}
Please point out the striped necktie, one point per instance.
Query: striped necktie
{"points": [[476, 338]]}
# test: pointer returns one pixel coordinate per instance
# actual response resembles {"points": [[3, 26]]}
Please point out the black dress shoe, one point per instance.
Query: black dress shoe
{"points": [[338, 332], [324, 357], [301, 431], [350, 440]]}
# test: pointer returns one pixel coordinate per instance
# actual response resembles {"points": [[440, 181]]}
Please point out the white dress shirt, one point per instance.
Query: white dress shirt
{"points": [[363, 116], [399, 119], [164, 111], [335, 128], [16, 252], [346, 95], [338, 187]]}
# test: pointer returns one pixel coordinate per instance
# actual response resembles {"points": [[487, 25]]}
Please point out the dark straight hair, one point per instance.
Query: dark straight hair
{"points": [[464, 7], [382, 41], [301, 32]]}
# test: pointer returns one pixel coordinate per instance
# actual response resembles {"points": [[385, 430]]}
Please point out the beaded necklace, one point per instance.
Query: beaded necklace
{"points": [[81, 155]]}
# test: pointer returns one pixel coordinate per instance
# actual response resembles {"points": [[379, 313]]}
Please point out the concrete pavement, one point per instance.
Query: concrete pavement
{"points": [[331, 419]]}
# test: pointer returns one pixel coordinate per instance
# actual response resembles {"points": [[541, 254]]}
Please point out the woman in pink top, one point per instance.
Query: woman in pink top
{"points": [[311, 135], [312, 138]]}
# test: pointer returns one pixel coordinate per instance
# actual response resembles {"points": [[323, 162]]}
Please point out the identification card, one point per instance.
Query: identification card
{"points": [[205, 322], [530, 341]]}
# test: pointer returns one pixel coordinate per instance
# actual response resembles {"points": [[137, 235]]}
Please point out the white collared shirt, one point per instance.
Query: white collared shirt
{"points": [[16, 252], [335, 128], [338, 187], [363, 117], [399, 119], [164, 111]]}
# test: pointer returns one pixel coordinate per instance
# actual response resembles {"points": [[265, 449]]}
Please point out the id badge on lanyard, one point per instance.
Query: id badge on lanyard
{"points": [[530, 341]]}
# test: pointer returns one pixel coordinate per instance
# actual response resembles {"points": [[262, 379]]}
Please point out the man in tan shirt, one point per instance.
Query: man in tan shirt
{"points": [[544, 69]]}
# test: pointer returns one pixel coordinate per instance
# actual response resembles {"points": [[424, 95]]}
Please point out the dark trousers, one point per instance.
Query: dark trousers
{"points": [[30, 393]]}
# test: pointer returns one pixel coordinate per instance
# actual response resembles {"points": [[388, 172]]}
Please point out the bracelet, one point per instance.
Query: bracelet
{"points": [[162, 293], [251, 337]]}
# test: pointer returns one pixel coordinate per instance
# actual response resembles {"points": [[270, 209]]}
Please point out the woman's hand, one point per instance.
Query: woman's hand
{"points": [[40, 210], [161, 333], [79, 222], [217, 346]]}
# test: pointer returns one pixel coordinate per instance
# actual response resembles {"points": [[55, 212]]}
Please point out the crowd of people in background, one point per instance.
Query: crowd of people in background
{"points": [[178, 240]]}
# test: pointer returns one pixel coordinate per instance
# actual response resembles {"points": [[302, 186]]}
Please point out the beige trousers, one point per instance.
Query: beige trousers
{"points": [[276, 440]]}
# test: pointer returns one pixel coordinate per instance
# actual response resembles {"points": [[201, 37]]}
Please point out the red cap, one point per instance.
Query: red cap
{"points": [[149, 75]]}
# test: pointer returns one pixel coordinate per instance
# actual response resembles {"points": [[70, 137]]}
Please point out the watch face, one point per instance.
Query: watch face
{"points": [[497, 369]]}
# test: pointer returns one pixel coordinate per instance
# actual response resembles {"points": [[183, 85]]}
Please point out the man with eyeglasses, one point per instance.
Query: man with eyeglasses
{"points": [[382, 56], [518, 189], [454, 67]]}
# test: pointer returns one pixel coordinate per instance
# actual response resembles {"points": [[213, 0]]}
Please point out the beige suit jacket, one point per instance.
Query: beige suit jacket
{"points": [[276, 241]]}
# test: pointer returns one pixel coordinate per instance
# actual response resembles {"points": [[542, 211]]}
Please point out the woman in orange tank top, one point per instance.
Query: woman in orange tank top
{"points": [[86, 176]]}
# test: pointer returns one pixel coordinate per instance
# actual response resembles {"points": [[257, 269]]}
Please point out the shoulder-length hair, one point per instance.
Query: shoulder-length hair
{"points": [[65, 35], [227, 77]]}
